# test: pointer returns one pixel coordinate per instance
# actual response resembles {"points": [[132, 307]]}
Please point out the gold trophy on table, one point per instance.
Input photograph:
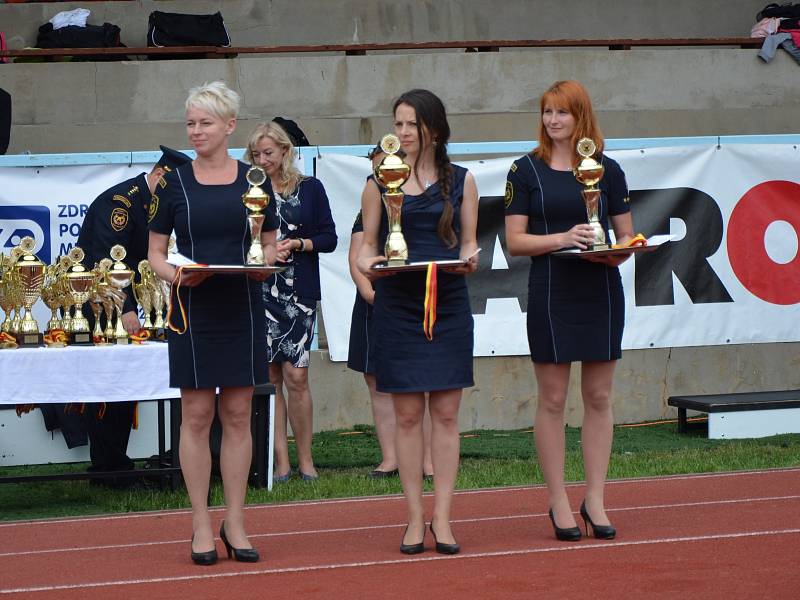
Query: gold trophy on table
{"points": [[255, 200], [119, 276], [102, 303], [51, 297], [143, 294], [6, 299], [589, 173], [79, 282], [392, 173], [30, 273]]}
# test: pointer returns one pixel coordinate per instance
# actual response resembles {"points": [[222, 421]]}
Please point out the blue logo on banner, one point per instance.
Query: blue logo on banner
{"points": [[18, 221]]}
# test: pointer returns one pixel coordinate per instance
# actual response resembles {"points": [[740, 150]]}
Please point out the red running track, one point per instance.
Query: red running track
{"points": [[726, 535]]}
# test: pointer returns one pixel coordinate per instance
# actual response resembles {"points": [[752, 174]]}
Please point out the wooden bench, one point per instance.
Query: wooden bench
{"points": [[363, 49], [743, 415]]}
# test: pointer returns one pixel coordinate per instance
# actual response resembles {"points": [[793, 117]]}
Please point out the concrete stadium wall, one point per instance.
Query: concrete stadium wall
{"points": [[504, 396], [308, 22], [89, 107]]}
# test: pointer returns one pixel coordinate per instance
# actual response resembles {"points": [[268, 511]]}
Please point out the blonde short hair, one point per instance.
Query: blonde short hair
{"points": [[216, 98]]}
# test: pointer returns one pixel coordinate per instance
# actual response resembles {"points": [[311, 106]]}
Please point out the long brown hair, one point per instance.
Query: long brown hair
{"points": [[573, 97], [431, 115]]}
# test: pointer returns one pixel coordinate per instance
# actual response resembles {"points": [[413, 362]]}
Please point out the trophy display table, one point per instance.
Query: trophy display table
{"points": [[118, 374]]}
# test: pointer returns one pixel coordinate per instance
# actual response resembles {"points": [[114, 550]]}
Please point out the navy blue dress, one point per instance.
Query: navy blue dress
{"points": [[576, 308], [224, 344], [405, 360], [361, 349]]}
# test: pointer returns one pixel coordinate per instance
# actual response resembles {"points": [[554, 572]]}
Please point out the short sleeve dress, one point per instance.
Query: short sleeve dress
{"points": [[405, 360], [361, 349], [224, 343], [576, 308]]}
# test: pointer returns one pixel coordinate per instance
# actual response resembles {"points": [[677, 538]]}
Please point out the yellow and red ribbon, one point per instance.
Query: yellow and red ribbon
{"points": [[176, 284], [55, 337], [7, 340], [431, 293], [637, 240], [140, 336]]}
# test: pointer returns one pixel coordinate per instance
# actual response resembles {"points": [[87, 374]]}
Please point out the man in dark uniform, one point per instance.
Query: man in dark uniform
{"points": [[120, 216]]}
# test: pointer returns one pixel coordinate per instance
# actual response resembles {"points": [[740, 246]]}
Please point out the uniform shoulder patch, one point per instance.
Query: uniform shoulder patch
{"points": [[514, 167], [121, 198], [153, 208], [133, 190], [119, 219], [509, 198]]}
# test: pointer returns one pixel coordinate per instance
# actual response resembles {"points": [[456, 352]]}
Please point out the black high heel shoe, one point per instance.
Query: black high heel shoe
{"points": [[413, 548], [565, 534], [239, 554], [205, 559], [443, 548], [600, 532]]}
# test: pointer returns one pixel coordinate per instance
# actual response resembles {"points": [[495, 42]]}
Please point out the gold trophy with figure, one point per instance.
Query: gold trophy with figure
{"points": [[255, 200], [63, 293], [589, 173], [6, 292], [119, 276], [50, 296], [30, 281], [392, 173], [143, 293], [79, 281], [102, 303]]}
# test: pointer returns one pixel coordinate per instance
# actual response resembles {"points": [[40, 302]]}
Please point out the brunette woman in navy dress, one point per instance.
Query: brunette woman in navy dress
{"points": [[220, 319], [439, 220], [576, 308]]}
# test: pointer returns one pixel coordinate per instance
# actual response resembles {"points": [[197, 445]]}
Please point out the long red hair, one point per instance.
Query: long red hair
{"points": [[572, 96]]}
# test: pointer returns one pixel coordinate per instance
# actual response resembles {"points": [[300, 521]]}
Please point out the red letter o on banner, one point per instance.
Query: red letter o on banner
{"points": [[761, 206]]}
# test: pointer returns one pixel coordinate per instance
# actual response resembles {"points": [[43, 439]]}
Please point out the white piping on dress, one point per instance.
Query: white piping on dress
{"points": [[189, 308], [549, 273]]}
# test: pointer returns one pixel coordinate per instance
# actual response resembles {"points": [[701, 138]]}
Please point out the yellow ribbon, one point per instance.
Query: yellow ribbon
{"points": [[431, 293], [178, 278], [637, 240]]}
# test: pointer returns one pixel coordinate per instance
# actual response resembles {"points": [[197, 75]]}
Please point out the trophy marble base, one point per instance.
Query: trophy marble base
{"points": [[80, 338], [121, 341], [29, 340]]}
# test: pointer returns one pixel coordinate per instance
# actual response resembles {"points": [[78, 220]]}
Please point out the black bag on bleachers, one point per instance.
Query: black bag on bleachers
{"points": [[72, 36], [175, 29]]}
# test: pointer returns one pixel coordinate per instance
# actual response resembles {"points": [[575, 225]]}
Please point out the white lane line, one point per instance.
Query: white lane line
{"points": [[362, 528], [376, 563], [394, 497]]}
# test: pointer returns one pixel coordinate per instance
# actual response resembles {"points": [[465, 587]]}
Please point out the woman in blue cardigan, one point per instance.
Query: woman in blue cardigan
{"points": [[290, 297]]}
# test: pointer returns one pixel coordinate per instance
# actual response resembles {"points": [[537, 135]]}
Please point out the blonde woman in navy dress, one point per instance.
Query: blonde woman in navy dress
{"points": [[576, 308], [290, 297], [221, 344], [439, 218]]}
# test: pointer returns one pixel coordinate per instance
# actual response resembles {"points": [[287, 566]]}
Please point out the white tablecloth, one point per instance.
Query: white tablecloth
{"points": [[85, 374]]}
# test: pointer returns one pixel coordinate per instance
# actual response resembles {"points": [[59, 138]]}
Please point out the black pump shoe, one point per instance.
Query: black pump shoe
{"points": [[412, 548], [205, 559], [600, 532], [239, 554], [443, 548], [565, 534]]}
